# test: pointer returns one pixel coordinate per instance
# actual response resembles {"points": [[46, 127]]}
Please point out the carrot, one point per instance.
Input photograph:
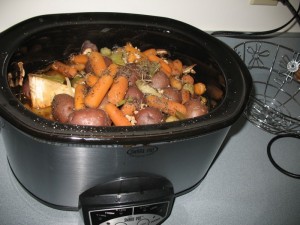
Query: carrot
{"points": [[131, 58], [111, 70], [97, 62], [185, 96], [164, 66], [175, 83], [79, 67], [199, 88], [98, 91], [133, 54], [129, 48], [103, 102], [79, 59], [91, 79], [150, 51], [80, 91], [64, 69], [118, 90], [187, 79], [214, 92], [167, 106], [153, 58], [116, 115], [176, 67], [128, 109]]}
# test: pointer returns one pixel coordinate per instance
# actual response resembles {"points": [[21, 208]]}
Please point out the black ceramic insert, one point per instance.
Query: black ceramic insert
{"points": [[38, 41]]}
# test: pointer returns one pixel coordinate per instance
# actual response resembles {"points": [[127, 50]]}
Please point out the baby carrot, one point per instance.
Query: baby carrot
{"points": [[80, 91], [164, 66], [199, 88], [153, 58], [167, 106], [79, 59], [176, 67], [133, 53], [150, 51], [185, 96], [187, 79], [97, 62], [98, 91], [111, 70], [79, 67], [129, 48], [64, 69], [91, 79], [175, 83], [118, 90], [128, 109], [131, 58], [116, 115]]}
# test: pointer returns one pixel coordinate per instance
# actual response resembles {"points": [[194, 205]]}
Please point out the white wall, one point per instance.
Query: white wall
{"points": [[208, 15]]}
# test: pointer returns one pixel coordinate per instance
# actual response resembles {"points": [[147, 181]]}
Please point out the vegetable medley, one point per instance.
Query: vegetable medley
{"points": [[122, 86]]}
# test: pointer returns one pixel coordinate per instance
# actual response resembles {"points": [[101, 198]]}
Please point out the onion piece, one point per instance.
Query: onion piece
{"points": [[42, 91]]}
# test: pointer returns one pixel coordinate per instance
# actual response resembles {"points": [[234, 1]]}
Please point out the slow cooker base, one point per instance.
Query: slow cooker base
{"points": [[68, 208]]}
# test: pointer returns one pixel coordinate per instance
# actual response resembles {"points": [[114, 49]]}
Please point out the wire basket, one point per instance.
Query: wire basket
{"points": [[274, 104]]}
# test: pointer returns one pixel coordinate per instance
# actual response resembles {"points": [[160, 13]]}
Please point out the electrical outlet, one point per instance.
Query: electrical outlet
{"points": [[264, 2]]}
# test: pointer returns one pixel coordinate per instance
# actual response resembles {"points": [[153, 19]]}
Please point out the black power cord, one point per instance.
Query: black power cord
{"points": [[290, 174], [292, 9], [262, 33]]}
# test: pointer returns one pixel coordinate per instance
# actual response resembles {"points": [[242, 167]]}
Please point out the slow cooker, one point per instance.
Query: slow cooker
{"points": [[126, 175]]}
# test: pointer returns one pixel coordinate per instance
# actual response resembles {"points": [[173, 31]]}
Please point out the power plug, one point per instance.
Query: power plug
{"points": [[264, 2]]}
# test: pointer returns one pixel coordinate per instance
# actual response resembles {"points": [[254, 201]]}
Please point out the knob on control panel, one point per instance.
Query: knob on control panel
{"points": [[128, 201]]}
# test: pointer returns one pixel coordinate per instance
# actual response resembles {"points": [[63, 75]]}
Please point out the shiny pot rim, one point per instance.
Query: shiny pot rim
{"points": [[237, 77]]}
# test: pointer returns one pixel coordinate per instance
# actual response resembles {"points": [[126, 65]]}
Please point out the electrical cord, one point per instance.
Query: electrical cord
{"points": [[290, 174], [292, 9], [262, 33]]}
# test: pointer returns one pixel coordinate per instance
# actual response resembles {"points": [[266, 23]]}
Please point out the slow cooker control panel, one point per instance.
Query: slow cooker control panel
{"points": [[139, 200], [136, 215]]}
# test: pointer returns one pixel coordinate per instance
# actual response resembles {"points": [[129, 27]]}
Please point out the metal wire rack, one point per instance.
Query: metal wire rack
{"points": [[274, 104]]}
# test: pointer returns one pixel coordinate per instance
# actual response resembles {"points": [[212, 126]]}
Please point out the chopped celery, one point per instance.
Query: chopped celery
{"points": [[105, 51], [117, 58], [189, 87]]}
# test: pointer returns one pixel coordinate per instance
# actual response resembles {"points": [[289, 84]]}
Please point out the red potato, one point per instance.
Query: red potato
{"points": [[62, 106], [134, 94], [172, 94], [132, 79], [215, 92], [107, 61], [88, 47], [89, 117], [132, 72], [148, 116], [195, 108], [160, 80], [26, 89]]}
